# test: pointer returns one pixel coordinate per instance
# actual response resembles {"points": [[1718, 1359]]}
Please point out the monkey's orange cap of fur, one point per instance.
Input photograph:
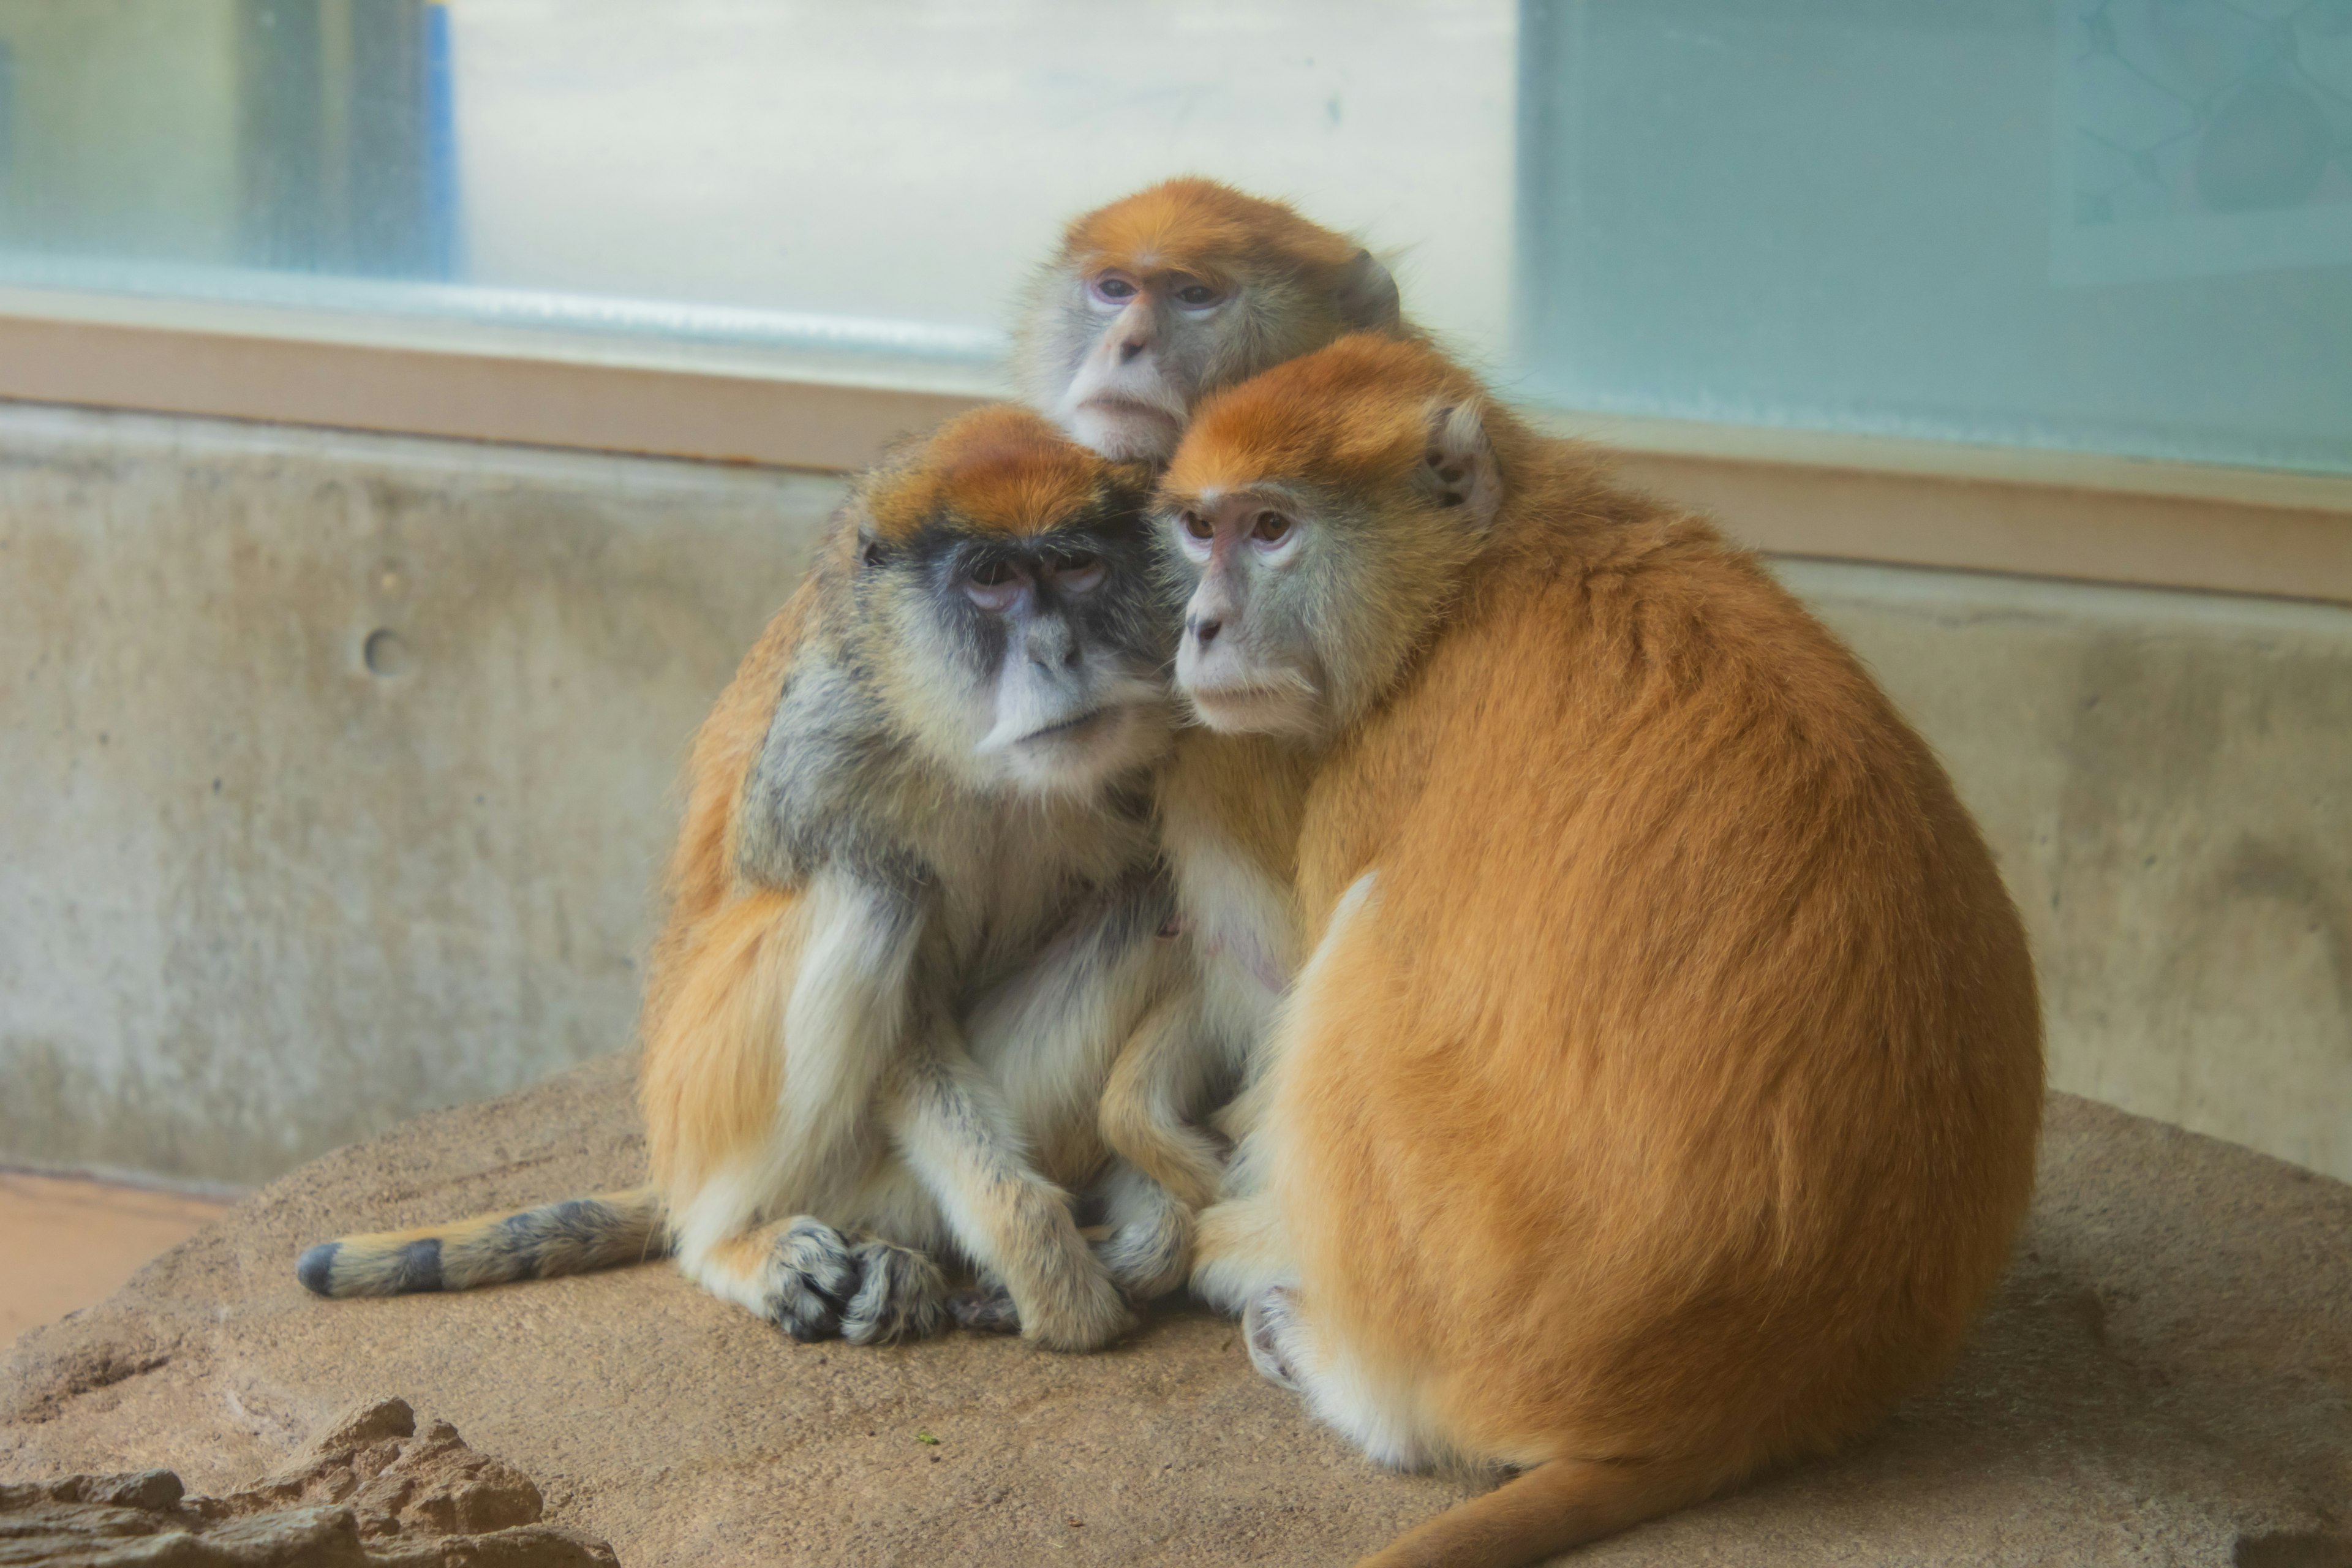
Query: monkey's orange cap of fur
{"points": [[999, 470], [1356, 409], [1197, 225]]}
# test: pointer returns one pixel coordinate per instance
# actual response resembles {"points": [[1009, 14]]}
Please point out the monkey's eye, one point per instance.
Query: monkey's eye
{"points": [[1270, 527], [996, 586], [1196, 295], [1199, 527], [1112, 286], [1074, 571]]}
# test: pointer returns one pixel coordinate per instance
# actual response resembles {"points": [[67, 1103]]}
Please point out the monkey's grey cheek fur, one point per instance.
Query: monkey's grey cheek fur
{"points": [[901, 1295], [986, 1308], [812, 1275]]}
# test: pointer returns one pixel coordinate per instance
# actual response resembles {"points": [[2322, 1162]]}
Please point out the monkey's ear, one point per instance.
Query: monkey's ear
{"points": [[1458, 470], [1367, 295]]}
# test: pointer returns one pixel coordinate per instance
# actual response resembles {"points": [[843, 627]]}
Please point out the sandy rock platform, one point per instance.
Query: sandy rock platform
{"points": [[2165, 1378]]}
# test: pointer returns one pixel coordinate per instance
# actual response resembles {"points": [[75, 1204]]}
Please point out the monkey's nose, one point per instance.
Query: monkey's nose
{"points": [[1204, 631], [1132, 347]]}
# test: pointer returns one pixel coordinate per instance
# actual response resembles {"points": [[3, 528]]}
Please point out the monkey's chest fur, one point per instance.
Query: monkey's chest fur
{"points": [[990, 874]]}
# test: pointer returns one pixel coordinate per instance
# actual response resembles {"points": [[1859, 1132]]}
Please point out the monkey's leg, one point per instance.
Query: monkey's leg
{"points": [[952, 1130]]}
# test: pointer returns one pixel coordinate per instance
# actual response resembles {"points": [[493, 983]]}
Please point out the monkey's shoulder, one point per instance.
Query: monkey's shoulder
{"points": [[829, 787]]}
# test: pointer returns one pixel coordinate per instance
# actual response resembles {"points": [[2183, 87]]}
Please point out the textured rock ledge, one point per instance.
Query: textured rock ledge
{"points": [[372, 1492], [2165, 1378]]}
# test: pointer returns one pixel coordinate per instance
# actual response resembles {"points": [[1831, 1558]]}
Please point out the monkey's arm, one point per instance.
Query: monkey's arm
{"points": [[952, 1127]]}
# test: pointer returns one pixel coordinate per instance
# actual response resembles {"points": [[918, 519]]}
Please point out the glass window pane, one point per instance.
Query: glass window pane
{"points": [[880, 174], [2116, 225]]}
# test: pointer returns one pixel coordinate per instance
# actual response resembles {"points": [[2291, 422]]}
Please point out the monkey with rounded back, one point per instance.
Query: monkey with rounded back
{"points": [[1657, 1100], [922, 801]]}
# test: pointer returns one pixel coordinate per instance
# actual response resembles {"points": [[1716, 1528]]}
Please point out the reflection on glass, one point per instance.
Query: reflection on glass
{"points": [[791, 172]]}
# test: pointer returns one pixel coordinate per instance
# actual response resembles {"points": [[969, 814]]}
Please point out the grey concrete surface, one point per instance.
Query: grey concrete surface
{"points": [[334, 771], [334, 776]]}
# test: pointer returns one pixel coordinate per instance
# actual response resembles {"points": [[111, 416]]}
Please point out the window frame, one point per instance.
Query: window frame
{"points": [[2077, 516]]}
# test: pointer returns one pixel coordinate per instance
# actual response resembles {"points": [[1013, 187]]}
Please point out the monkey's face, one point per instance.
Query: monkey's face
{"points": [[1319, 523], [1135, 349], [1259, 560], [1032, 663], [1161, 298]]}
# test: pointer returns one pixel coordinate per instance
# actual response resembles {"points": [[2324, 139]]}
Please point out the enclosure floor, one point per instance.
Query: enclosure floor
{"points": [[65, 1245]]}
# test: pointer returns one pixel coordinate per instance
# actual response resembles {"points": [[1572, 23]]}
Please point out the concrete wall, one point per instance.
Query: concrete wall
{"points": [[334, 772]]}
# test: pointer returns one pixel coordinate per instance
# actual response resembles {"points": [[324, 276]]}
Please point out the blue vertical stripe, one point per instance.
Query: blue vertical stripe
{"points": [[442, 214]]}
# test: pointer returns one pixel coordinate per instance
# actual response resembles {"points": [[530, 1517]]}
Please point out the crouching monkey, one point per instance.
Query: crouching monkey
{"points": [[1656, 1101], [923, 799]]}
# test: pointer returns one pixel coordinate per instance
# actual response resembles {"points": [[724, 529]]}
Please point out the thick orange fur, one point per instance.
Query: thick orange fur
{"points": [[1001, 469], [1663, 1107], [1203, 227]]}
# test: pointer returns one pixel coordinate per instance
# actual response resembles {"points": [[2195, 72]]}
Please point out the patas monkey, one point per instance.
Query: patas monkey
{"points": [[922, 800], [1657, 1102], [1163, 297]]}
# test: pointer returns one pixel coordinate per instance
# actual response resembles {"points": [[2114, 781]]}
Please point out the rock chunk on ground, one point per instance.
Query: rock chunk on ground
{"points": [[370, 1492], [2165, 1378]]}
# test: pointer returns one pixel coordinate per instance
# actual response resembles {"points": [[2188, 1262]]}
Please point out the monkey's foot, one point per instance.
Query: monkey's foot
{"points": [[1266, 1325], [901, 1295], [986, 1308], [808, 1280]]}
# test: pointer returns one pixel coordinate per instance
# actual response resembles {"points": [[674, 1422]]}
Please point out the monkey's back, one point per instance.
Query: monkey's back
{"points": [[1677, 1092]]}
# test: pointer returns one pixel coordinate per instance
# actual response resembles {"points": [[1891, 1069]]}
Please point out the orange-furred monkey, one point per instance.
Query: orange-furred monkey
{"points": [[916, 828], [1658, 1099], [1163, 297]]}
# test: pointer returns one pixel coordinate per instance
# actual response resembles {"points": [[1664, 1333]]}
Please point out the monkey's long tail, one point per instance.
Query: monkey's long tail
{"points": [[568, 1237], [1548, 1510]]}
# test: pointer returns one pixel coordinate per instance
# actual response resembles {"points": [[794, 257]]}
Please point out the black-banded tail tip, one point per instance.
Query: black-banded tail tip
{"points": [[316, 1267], [360, 1266]]}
